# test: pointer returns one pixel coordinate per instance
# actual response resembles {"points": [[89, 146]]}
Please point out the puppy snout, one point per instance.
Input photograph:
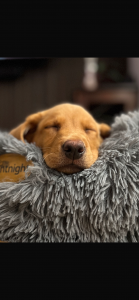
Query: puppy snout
{"points": [[74, 149]]}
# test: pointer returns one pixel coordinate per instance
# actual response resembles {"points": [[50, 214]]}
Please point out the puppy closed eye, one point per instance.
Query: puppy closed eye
{"points": [[87, 130], [56, 127]]}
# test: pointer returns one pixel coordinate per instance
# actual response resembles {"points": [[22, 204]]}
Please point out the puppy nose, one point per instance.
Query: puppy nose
{"points": [[74, 149]]}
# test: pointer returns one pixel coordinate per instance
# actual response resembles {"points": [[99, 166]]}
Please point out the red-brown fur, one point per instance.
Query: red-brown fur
{"points": [[51, 128]]}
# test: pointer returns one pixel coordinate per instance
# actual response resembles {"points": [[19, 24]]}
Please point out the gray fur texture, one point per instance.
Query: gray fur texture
{"points": [[100, 204]]}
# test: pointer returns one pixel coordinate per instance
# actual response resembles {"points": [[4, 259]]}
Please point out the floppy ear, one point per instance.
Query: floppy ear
{"points": [[104, 130], [27, 129]]}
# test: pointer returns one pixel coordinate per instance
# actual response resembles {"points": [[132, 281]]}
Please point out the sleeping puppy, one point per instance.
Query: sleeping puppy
{"points": [[67, 134]]}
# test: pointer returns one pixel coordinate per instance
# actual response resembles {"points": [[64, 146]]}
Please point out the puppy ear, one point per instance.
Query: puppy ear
{"points": [[104, 130], [27, 129]]}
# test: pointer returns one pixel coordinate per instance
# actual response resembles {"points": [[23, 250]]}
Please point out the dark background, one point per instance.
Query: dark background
{"points": [[28, 85]]}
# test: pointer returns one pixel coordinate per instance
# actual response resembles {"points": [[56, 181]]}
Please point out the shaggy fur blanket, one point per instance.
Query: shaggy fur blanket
{"points": [[99, 204]]}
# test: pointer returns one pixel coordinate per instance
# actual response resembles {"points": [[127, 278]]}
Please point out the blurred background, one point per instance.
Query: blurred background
{"points": [[106, 87]]}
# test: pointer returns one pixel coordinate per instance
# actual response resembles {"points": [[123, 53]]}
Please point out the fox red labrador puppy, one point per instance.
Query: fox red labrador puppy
{"points": [[67, 134]]}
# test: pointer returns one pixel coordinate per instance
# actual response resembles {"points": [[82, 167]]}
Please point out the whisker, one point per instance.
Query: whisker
{"points": [[43, 148], [48, 155]]}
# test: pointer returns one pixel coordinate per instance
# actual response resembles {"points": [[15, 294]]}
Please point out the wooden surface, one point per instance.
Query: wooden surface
{"points": [[125, 94], [38, 90]]}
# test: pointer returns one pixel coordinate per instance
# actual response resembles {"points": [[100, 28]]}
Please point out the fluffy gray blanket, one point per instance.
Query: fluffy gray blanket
{"points": [[100, 204]]}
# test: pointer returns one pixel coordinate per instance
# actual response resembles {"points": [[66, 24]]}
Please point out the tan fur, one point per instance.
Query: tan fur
{"points": [[51, 128]]}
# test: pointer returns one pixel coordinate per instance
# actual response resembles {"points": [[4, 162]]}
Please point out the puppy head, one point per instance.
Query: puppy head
{"points": [[68, 136]]}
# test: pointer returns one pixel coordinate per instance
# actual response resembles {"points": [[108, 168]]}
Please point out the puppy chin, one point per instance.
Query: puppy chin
{"points": [[66, 169], [65, 166], [71, 169]]}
